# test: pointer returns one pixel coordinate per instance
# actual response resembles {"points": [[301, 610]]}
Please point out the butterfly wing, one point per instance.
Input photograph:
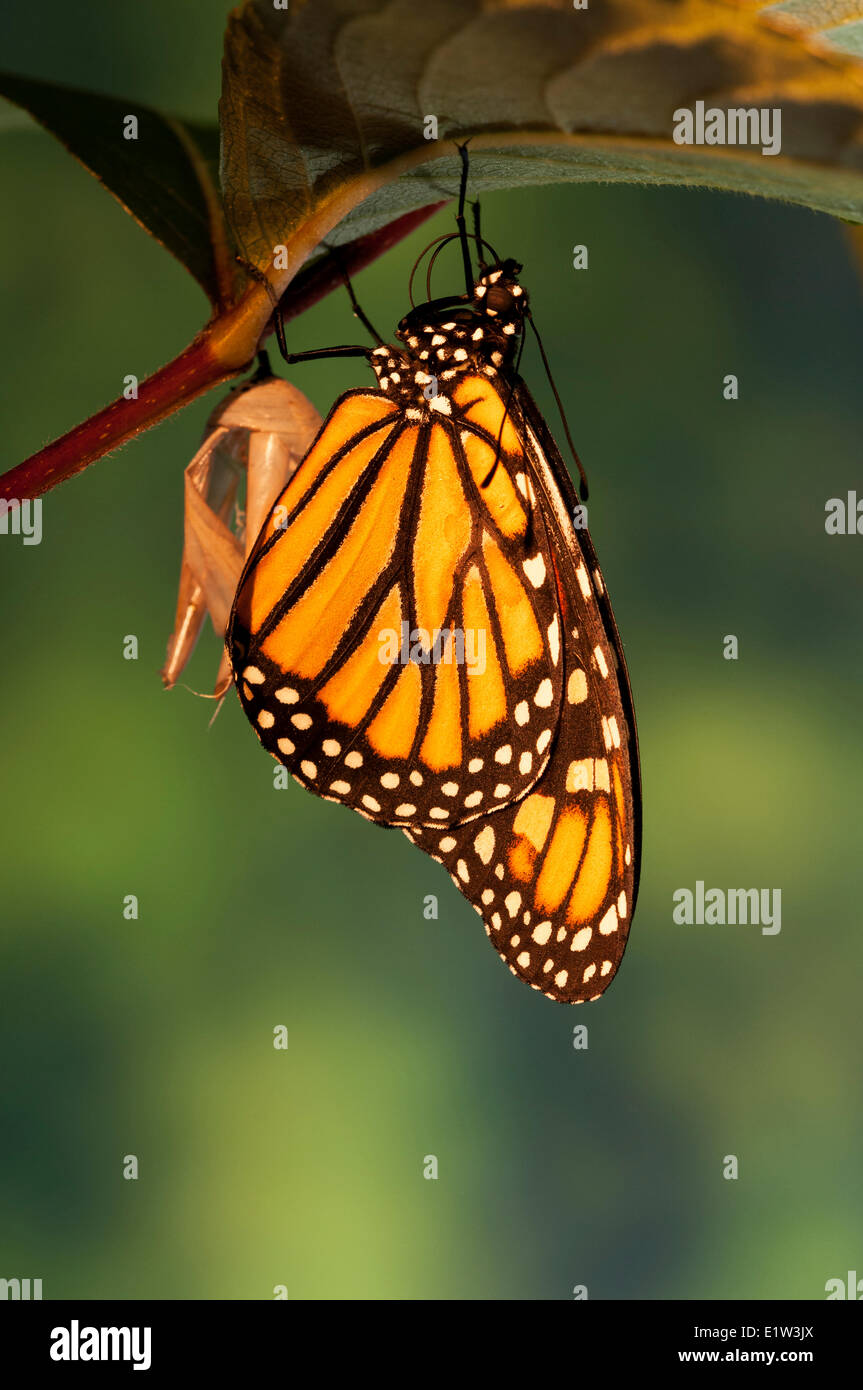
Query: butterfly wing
{"points": [[555, 875], [396, 635]]}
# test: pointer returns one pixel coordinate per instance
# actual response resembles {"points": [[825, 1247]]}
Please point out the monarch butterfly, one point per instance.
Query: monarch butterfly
{"points": [[429, 510]]}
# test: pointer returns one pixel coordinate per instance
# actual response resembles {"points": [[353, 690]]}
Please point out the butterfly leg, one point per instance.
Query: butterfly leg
{"points": [[344, 350], [359, 313], [315, 353], [278, 324]]}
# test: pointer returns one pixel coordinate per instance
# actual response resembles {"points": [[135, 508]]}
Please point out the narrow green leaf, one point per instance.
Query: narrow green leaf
{"points": [[167, 177]]}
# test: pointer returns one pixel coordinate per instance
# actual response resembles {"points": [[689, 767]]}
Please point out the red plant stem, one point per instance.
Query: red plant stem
{"points": [[317, 280], [211, 358]]}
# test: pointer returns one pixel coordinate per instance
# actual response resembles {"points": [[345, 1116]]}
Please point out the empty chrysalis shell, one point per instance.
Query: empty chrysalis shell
{"points": [[263, 429]]}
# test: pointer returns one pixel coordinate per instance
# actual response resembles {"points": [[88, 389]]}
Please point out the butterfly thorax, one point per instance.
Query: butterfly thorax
{"points": [[445, 341]]}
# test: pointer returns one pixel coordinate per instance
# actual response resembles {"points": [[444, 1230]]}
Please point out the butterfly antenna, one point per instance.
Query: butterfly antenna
{"points": [[445, 237], [460, 222], [433, 258], [583, 489]]}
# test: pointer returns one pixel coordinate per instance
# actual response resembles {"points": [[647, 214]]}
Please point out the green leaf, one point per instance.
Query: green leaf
{"points": [[324, 105], [167, 178], [834, 23]]}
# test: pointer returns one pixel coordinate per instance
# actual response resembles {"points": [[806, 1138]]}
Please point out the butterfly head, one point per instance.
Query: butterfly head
{"points": [[445, 339], [497, 294]]}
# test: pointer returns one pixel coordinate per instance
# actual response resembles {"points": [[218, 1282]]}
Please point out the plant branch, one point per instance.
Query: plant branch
{"points": [[223, 349]]}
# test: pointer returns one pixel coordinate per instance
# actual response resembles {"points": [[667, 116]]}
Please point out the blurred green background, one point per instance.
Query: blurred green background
{"points": [[260, 907]]}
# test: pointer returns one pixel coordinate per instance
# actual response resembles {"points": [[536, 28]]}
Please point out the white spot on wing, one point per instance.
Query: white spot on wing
{"points": [[554, 639], [534, 568], [608, 923], [576, 690], [484, 844], [544, 694], [579, 776], [601, 776]]}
